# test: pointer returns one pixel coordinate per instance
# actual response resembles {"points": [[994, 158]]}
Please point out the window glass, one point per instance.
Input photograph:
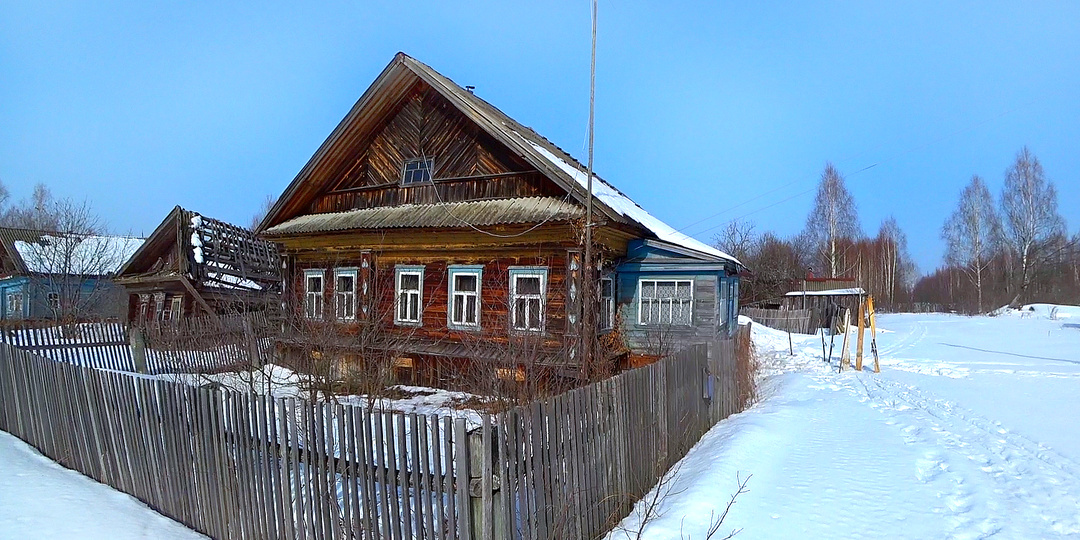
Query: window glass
{"points": [[464, 297], [416, 171], [666, 302], [410, 295]]}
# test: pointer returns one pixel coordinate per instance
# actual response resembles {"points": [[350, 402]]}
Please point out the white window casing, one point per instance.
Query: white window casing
{"points": [[345, 294], [665, 302], [409, 291], [528, 299], [465, 300], [607, 304], [314, 287]]}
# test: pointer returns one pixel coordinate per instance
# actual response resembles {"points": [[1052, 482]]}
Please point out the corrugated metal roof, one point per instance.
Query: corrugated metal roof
{"points": [[458, 214]]}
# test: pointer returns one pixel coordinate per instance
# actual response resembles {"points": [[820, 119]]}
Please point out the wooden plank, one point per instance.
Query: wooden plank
{"points": [[402, 438], [424, 490], [450, 480], [461, 476], [486, 508]]}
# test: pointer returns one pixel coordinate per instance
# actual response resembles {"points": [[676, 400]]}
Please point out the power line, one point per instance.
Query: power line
{"points": [[886, 160]]}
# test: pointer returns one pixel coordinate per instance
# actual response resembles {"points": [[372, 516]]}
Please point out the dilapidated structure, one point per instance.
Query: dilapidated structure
{"points": [[195, 265]]}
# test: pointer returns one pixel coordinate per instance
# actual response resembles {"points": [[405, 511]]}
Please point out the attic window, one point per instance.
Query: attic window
{"points": [[417, 171]]}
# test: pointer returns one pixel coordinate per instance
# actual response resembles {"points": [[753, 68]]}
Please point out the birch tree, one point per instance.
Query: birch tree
{"points": [[1030, 217], [972, 234], [833, 218]]}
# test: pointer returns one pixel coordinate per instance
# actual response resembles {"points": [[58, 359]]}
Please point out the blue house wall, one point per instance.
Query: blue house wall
{"points": [[714, 310]]}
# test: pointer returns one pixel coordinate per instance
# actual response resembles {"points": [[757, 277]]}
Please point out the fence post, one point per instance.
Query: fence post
{"points": [[485, 507], [138, 348]]}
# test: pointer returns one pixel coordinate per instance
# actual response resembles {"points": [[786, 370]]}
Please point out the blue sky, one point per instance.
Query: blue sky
{"points": [[702, 108]]}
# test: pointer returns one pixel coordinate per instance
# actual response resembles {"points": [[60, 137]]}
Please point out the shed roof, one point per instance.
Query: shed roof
{"points": [[456, 214], [831, 292]]}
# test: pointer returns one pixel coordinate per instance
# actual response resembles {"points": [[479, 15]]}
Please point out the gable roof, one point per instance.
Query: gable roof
{"points": [[396, 80], [45, 252]]}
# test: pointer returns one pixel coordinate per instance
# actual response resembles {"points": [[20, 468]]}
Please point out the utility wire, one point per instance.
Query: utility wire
{"points": [[886, 160]]}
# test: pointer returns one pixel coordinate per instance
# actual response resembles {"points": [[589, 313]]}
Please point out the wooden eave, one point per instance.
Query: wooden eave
{"points": [[164, 237], [380, 100]]}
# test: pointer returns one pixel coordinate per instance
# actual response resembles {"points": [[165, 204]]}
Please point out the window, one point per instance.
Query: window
{"points": [[53, 300], [345, 294], [665, 302], [410, 294], [313, 293], [160, 313], [724, 303], [465, 297], [527, 288], [177, 307], [14, 304], [607, 304], [417, 171]]}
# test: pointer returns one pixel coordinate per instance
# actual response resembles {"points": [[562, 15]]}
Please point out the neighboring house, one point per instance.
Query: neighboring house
{"points": [[195, 265], [61, 276], [430, 214]]}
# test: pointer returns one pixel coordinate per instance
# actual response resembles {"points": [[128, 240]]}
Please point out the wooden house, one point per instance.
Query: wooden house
{"points": [[193, 265], [457, 232], [61, 276]]}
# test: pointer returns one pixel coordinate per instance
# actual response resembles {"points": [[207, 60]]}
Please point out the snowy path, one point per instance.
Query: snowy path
{"points": [[41, 499], [899, 454]]}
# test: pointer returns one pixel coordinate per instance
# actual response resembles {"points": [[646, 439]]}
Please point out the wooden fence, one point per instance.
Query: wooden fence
{"points": [[238, 465], [797, 321], [185, 346]]}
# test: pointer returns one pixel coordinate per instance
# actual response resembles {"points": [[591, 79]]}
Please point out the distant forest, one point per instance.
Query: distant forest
{"points": [[1009, 251]]}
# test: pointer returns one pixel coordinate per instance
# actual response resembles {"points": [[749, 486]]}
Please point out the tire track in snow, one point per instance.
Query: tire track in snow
{"points": [[1035, 487]]}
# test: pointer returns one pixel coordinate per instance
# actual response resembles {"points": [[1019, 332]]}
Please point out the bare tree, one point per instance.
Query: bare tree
{"points": [[260, 213], [1030, 216], [972, 234], [833, 218], [737, 239], [39, 212], [896, 269], [73, 261]]}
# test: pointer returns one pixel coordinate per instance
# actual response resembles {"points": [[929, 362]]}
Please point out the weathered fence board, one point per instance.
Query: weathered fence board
{"points": [[238, 465], [797, 321]]}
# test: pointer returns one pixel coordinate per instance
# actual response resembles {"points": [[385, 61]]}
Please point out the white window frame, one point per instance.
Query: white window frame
{"points": [[52, 300], [453, 271], [417, 295], [345, 299], [540, 272], [15, 308], [177, 306], [314, 300], [724, 301], [430, 166], [608, 323], [669, 301]]}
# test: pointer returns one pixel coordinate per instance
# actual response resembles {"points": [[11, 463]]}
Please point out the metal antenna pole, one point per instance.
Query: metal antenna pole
{"points": [[588, 323]]}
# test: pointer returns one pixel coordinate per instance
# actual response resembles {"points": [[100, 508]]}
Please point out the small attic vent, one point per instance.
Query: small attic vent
{"points": [[416, 171]]}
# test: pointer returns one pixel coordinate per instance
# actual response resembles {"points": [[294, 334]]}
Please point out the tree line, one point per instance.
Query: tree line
{"points": [[1011, 251], [832, 244]]}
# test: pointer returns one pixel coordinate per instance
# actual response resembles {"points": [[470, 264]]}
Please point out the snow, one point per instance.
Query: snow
{"points": [[79, 255], [41, 499], [969, 431], [622, 204], [279, 381], [830, 292]]}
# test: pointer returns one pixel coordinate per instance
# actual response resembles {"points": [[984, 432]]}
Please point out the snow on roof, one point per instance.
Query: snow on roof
{"points": [[622, 204], [830, 292], [76, 254]]}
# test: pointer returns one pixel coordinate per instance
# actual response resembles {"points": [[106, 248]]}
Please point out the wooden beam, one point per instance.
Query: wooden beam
{"points": [[199, 298]]}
